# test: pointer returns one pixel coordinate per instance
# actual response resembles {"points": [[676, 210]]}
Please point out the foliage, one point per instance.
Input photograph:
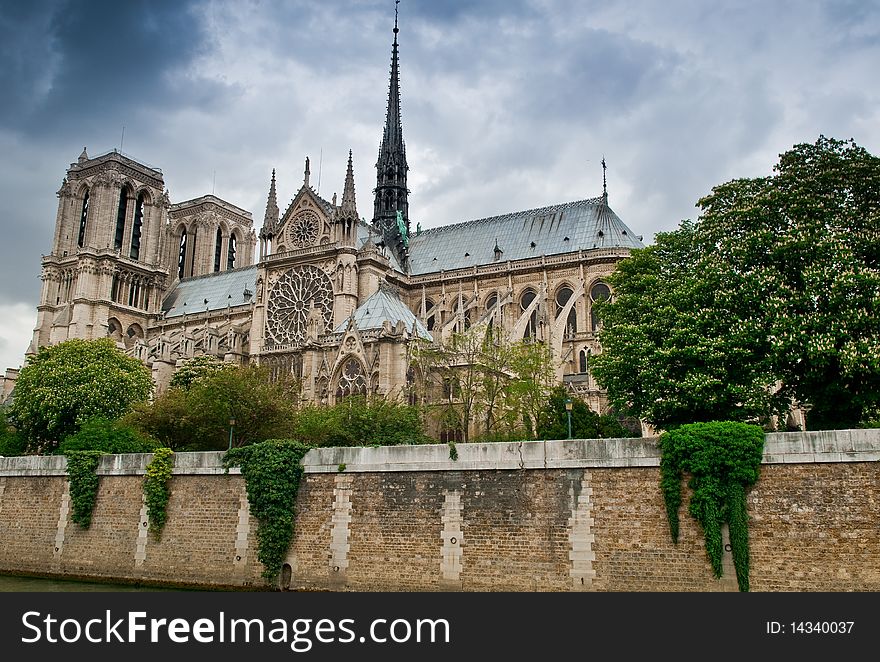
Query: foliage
{"points": [[195, 369], [672, 351], [100, 434], [453, 451], [358, 421], [81, 467], [723, 460], [272, 472], [67, 384], [487, 383], [11, 442], [198, 418], [585, 423], [156, 492], [805, 243], [772, 296]]}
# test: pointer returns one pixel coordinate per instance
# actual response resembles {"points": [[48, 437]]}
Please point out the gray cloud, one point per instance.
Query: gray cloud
{"points": [[506, 105]]}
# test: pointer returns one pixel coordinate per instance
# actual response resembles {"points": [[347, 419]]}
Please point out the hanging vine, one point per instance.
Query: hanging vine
{"points": [[723, 460], [81, 467], [272, 473], [156, 492]]}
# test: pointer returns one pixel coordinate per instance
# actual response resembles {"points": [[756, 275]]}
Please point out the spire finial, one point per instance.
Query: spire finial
{"points": [[396, 2], [307, 172], [604, 182]]}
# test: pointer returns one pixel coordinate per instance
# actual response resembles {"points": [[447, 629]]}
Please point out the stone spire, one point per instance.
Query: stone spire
{"points": [[349, 204], [390, 205], [270, 220], [306, 173], [83, 157]]}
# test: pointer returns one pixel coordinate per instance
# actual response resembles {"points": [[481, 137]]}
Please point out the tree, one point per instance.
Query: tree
{"points": [[65, 385], [489, 385], [771, 296], [585, 423], [198, 417], [673, 350], [196, 368], [807, 243]]}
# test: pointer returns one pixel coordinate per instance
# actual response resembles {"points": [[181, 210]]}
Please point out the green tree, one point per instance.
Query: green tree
{"points": [[585, 423], [196, 368], [11, 442], [67, 384], [805, 243], [771, 296], [198, 418], [674, 350]]}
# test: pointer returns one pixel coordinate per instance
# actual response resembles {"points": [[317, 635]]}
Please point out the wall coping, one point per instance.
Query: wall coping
{"points": [[779, 448]]}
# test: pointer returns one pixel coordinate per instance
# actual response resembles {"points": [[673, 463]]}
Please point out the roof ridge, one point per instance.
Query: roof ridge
{"points": [[486, 219]]}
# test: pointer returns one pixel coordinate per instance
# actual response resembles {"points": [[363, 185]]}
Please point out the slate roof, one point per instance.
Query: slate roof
{"points": [[383, 306], [211, 292], [562, 228]]}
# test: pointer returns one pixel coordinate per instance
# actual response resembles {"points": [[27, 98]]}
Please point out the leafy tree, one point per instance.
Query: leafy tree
{"points": [[806, 244], [673, 349], [65, 385], [771, 296], [99, 434], [196, 368], [198, 418], [488, 383], [585, 423]]}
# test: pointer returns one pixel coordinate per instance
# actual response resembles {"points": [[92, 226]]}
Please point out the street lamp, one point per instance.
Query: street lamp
{"points": [[568, 406], [231, 426]]}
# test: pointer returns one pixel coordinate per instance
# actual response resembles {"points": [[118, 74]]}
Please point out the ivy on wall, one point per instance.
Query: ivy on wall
{"points": [[723, 460], [81, 467], [272, 473], [156, 492]]}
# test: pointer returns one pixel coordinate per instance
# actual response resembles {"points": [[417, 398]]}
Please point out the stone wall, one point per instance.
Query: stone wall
{"points": [[575, 515]]}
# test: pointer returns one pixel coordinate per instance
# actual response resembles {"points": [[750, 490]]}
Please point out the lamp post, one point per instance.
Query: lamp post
{"points": [[231, 427], [568, 406]]}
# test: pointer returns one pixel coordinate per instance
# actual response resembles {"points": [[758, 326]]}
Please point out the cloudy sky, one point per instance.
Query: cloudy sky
{"points": [[507, 104]]}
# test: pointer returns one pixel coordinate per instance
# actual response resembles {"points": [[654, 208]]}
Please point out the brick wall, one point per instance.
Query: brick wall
{"points": [[555, 516]]}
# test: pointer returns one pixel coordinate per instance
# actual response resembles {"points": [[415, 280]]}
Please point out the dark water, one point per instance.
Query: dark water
{"points": [[9, 584]]}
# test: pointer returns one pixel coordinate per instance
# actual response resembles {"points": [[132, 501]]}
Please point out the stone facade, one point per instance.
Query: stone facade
{"points": [[583, 515]]}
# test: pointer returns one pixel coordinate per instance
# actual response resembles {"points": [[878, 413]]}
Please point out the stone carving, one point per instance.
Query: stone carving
{"points": [[291, 300]]}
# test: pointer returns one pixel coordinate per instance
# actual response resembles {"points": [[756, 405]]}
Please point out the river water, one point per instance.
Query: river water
{"points": [[10, 584]]}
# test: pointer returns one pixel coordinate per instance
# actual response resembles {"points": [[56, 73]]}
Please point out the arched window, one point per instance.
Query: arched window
{"points": [[599, 292], [563, 296], [230, 254], [218, 249], [114, 289], [136, 228], [411, 395], [121, 211], [525, 301], [181, 255], [83, 217], [352, 380], [583, 362], [431, 320]]}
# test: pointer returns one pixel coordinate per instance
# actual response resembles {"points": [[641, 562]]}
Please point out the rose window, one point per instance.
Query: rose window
{"points": [[291, 300], [304, 229]]}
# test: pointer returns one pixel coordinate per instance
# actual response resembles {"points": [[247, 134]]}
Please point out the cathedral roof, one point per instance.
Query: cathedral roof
{"points": [[215, 291], [564, 228], [384, 306]]}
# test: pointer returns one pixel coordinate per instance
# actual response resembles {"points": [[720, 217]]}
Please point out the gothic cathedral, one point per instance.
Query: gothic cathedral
{"points": [[333, 299]]}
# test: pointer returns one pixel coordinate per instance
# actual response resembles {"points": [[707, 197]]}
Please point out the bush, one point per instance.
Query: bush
{"points": [[585, 423], [109, 437], [360, 422]]}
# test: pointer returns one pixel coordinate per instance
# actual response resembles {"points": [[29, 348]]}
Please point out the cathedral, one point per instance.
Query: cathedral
{"points": [[319, 291]]}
